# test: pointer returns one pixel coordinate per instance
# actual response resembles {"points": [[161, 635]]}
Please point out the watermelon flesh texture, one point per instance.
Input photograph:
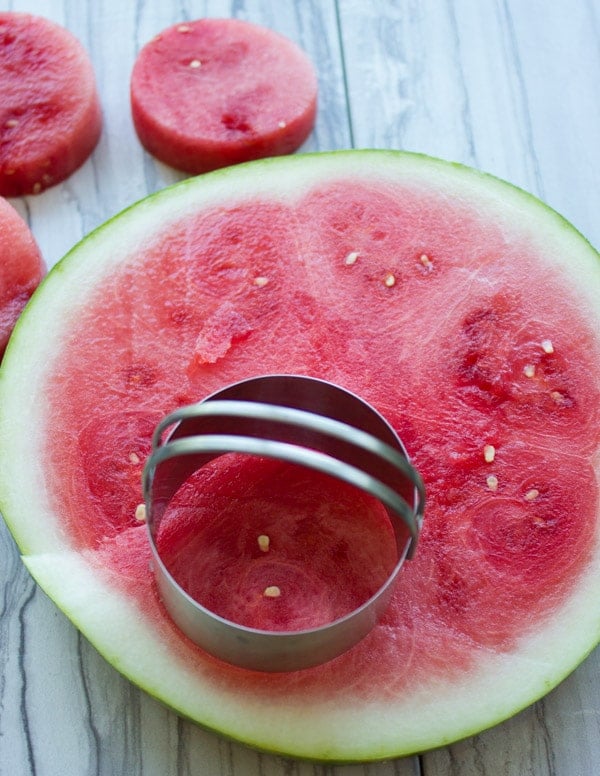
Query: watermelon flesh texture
{"points": [[215, 92], [329, 547], [50, 117], [412, 284], [21, 268]]}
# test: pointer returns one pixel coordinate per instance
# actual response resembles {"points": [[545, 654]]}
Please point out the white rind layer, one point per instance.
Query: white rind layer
{"points": [[494, 689]]}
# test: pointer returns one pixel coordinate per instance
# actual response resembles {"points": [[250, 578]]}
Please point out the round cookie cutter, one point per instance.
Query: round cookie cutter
{"points": [[302, 420]]}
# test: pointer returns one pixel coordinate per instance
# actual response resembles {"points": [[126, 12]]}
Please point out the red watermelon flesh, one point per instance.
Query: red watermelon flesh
{"points": [[50, 118], [412, 284], [214, 92], [471, 366], [329, 547], [21, 268]]}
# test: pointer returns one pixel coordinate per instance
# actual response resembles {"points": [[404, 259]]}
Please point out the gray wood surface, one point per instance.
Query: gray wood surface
{"points": [[510, 86]]}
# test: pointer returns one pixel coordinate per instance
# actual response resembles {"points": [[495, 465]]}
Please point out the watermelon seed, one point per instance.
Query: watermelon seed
{"points": [[351, 258], [272, 591], [140, 513], [489, 453], [529, 370], [263, 543], [11, 123], [195, 63], [492, 482], [547, 346], [541, 523], [183, 28], [389, 280], [134, 458], [281, 124], [532, 494], [426, 261], [557, 397], [260, 281]]}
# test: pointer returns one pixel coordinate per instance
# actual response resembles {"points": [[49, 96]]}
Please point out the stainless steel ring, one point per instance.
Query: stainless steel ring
{"points": [[305, 421]]}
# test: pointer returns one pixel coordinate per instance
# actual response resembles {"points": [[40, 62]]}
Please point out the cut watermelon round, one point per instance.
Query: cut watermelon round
{"points": [[462, 308], [21, 268], [214, 92], [50, 119]]}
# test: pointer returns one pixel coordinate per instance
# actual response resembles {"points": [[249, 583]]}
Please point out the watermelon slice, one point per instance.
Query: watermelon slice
{"points": [[214, 92], [50, 119], [462, 308], [21, 268]]}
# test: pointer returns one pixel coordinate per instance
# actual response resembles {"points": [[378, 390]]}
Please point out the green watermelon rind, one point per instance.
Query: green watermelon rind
{"points": [[332, 732]]}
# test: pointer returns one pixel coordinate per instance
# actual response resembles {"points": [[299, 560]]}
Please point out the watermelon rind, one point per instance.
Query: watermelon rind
{"points": [[336, 726]]}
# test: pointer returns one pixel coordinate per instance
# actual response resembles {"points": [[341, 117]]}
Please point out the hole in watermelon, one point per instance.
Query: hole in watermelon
{"points": [[330, 547]]}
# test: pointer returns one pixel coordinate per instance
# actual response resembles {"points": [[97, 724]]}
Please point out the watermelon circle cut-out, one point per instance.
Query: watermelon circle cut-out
{"points": [[50, 115], [215, 92], [21, 269], [460, 307]]}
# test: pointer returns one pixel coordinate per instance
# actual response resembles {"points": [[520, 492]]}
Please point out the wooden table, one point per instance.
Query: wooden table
{"points": [[509, 86]]}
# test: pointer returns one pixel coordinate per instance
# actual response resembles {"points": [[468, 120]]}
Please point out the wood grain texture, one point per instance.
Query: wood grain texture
{"points": [[505, 85]]}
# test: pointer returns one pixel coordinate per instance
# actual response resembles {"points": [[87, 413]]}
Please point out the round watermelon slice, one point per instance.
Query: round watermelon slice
{"points": [[214, 92], [50, 117], [462, 308], [21, 268]]}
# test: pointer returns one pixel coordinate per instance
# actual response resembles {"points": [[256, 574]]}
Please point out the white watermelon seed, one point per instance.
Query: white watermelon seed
{"points": [[529, 370], [134, 458], [195, 63], [489, 453], [281, 124], [272, 591], [351, 258], [140, 513], [426, 261], [260, 281], [492, 482], [547, 346], [389, 280], [11, 123], [532, 494], [183, 28], [264, 543], [557, 397]]}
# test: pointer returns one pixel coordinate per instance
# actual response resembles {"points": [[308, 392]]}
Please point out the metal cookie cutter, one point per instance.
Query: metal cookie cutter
{"points": [[304, 421]]}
